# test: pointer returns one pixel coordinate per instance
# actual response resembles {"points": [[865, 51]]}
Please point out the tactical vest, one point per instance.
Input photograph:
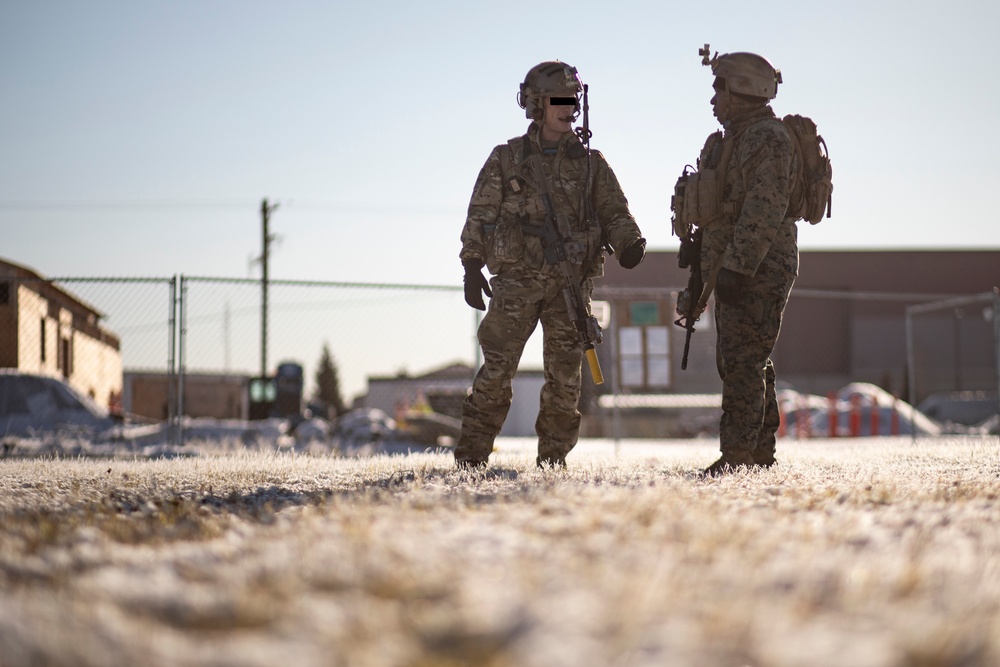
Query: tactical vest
{"points": [[698, 198], [698, 194], [522, 207]]}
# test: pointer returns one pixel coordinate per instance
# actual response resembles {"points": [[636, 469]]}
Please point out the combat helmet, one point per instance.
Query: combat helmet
{"points": [[551, 78], [745, 73]]}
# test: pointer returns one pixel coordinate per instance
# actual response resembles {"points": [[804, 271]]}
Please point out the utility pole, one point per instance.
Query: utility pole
{"points": [[265, 213]]}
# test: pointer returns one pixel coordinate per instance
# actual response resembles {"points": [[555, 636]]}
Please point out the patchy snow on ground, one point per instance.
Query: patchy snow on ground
{"points": [[358, 433], [42, 416], [869, 552]]}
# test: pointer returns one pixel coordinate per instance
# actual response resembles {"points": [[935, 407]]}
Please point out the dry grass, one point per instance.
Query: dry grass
{"points": [[868, 553]]}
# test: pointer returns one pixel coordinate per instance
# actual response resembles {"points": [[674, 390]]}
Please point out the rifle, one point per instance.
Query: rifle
{"points": [[553, 234], [584, 134], [689, 255]]}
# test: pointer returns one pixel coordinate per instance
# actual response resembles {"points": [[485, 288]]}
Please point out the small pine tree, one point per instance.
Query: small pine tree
{"points": [[328, 384]]}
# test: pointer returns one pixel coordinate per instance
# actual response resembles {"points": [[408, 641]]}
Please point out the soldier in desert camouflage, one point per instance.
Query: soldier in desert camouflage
{"points": [[749, 251], [526, 289]]}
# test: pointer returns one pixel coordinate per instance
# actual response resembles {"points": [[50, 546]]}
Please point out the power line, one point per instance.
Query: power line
{"points": [[313, 204], [124, 204]]}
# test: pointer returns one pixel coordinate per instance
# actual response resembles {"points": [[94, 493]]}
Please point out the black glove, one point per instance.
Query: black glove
{"points": [[730, 286], [632, 254], [476, 284]]}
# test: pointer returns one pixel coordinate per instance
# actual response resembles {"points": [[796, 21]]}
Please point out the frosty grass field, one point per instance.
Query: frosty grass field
{"points": [[866, 552]]}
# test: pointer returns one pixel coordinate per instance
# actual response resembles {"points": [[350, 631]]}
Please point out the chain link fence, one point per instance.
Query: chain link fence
{"points": [[953, 355], [89, 331], [369, 329], [161, 348], [157, 349]]}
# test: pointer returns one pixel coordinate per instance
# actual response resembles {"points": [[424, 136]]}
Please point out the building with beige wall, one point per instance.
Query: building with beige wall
{"points": [[48, 331]]}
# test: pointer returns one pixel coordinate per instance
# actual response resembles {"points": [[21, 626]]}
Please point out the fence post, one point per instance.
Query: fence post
{"points": [[616, 390], [996, 338], [172, 364], [911, 370], [894, 419], [181, 361], [477, 358]]}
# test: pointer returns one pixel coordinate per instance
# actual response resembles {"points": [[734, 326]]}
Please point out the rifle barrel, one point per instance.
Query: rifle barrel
{"points": [[687, 348]]}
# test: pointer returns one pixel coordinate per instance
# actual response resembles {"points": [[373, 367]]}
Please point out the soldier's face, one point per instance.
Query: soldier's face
{"points": [[559, 115], [720, 100]]}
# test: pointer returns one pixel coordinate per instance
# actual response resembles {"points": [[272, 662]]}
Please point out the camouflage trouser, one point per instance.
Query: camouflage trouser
{"points": [[746, 336], [520, 301]]}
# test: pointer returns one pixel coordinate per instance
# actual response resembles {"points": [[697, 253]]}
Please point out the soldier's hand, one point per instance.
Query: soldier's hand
{"points": [[731, 286], [632, 254], [475, 284]]}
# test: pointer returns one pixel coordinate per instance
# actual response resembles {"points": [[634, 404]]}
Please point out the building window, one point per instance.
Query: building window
{"points": [[4, 293], [43, 339], [644, 348], [657, 357], [630, 355]]}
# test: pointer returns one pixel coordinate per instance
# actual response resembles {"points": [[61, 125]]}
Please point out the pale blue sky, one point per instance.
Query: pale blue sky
{"points": [[138, 138]]}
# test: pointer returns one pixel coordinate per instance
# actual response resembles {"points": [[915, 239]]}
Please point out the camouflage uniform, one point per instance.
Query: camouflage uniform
{"points": [[526, 290], [756, 238]]}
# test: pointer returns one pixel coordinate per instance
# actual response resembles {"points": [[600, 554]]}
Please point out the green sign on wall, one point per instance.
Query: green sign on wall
{"points": [[644, 313]]}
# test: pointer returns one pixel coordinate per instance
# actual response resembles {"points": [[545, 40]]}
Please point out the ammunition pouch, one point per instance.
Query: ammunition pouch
{"points": [[508, 241], [697, 200], [504, 243], [576, 242], [517, 237]]}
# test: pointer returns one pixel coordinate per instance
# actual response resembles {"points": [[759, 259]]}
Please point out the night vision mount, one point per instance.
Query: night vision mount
{"points": [[705, 53]]}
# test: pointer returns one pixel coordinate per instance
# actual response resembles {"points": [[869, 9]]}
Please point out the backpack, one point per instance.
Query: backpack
{"points": [[813, 192]]}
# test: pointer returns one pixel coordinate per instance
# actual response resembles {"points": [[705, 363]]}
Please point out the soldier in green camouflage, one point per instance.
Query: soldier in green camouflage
{"points": [[525, 289], [749, 250]]}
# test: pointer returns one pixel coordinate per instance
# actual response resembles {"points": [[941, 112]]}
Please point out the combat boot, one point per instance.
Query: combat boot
{"points": [[470, 464], [731, 461], [552, 462], [763, 458], [471, 454]]}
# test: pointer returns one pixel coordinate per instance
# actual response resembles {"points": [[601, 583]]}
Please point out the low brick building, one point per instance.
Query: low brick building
{"points": [[845, 322]]}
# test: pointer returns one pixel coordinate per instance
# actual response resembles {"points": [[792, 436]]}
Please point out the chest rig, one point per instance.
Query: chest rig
{"points": [[698, 195], [525, 179]]}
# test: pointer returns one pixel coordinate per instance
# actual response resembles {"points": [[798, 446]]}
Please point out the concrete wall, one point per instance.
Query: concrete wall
{"points": [[387, 394]]}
